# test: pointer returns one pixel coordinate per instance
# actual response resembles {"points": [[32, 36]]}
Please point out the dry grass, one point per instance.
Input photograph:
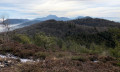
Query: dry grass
{"points": [[66, 65]]}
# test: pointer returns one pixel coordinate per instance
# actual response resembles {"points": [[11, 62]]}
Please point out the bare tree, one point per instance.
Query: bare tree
{"points": [[6, 26]]}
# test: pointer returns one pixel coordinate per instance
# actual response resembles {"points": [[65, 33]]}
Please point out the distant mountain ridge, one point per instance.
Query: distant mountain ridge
{"points": [[49, 17], [53, 17], [117, 19], [80, 20], [29, 23], [16, 21]]}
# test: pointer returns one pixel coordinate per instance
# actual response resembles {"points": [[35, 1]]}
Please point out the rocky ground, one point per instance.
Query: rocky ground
{"points": [[77, 63]]}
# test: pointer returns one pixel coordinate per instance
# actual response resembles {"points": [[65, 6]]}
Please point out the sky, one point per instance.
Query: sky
{"points": [[62, 8]]}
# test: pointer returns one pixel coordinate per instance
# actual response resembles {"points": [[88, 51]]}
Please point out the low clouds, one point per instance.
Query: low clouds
{"points": [[69, 8]]}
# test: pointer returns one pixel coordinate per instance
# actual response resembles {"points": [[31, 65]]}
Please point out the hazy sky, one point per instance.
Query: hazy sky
{"points": [[67, 8]]}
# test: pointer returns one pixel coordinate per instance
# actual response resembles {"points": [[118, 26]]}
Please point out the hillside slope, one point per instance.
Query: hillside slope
{"points": [[88, 21], [61, 28]]}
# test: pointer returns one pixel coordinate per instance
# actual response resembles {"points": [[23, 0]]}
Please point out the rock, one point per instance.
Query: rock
{"points": [[2, 66], [95, 61]]}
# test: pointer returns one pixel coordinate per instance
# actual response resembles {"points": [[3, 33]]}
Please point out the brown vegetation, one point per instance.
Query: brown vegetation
{"points": [[67, 65]]}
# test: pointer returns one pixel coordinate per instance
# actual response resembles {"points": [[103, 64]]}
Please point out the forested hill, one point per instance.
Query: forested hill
{"points": [[62, 28], [88, 21], [59, 28]]}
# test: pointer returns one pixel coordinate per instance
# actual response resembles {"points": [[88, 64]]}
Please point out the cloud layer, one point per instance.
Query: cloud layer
{"points": [[68, 8]]}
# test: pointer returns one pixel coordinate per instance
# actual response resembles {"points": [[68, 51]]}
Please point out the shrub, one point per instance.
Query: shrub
{"points": [[74, 47], [118, 64], [22, 39], [115, 52], [79, 58], [28, 68], [24, 53], [84, 50], [44, 41], [60, 55], [98, 49], [41, 55], [5, 49], [1, 41]]}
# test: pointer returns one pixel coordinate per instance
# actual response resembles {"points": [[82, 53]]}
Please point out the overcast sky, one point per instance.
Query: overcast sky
{"points": [[66, 8]]}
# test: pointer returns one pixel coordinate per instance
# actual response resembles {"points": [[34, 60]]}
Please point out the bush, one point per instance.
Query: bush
{"points": [[5, 49], [115, 52], [60, 54], [79, 58], [28, 68], [74, 47], [44, 41], [22, 39], [84, 50], [41, 55], [118, 64], [24, 53]]}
